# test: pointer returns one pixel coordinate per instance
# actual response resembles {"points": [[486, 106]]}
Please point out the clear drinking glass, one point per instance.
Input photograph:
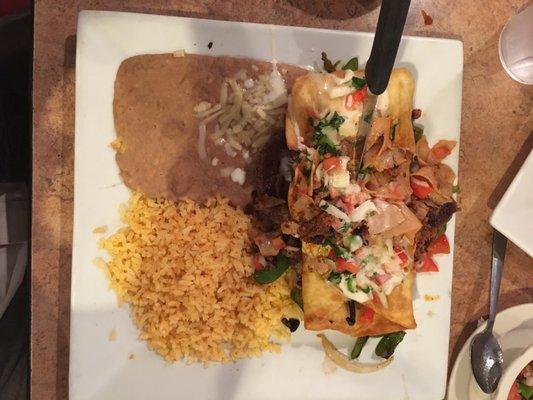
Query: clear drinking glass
{"points": [[516, 46]]}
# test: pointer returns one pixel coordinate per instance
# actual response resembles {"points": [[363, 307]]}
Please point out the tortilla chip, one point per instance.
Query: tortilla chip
{"points": [[400, 307], [400, 88], [379, 326]]}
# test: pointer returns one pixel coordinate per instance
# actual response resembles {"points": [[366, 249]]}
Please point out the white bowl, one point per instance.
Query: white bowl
{"points": [[511, 372]]}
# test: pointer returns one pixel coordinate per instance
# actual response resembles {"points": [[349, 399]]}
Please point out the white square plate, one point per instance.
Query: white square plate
{"points": [[100, 368], [514, 214]]}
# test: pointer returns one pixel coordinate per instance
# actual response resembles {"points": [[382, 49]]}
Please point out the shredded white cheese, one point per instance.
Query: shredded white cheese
{"points": [[238, 176]]}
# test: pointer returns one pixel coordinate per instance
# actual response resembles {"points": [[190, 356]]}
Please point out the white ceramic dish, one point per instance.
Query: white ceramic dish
{"points": [[100, 368], [514, 330], [511, 372], [514, 214]]}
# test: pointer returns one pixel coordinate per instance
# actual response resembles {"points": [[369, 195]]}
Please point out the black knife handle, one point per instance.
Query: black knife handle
{"points": [[391, 21]]}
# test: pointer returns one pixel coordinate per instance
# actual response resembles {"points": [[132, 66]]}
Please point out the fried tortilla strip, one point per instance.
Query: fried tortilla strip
{"points": [[379, 325], [400, 307]]}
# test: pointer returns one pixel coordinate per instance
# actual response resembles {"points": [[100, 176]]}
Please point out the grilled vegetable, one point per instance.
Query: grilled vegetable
{"points": [[388, 344], [351, 307], [358, 347], [344, 362], [273, 272]]}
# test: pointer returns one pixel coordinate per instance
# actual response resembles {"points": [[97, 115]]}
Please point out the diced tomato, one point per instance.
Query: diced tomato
{"points": [[332, 254], [332, 163], [334, 192], [346, 265], [427, 265], [440, 152], [269, 245], [336, 224], [258, 262], [439, 246], [278, 243], [401, 255], [350, 198], [362, 197], [348, 207], [514, 393], [382, 278], [421, 189], [366, 316], [355, 97], [375, 298]]}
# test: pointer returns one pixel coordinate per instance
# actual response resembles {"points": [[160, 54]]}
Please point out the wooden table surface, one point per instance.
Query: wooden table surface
{"points": [[496, 136]]}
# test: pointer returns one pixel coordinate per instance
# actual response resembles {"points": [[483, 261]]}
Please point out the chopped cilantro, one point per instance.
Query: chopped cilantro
{"points": [[324, 206], [368, 117], [372, 213], [456, 189], [363, 173], [418, 131], [338, 250], [345, 227], [310, 121], [358, 83], [366, 290], [336, 121], [349, 284], [367, 259], [323, 142], [334, 277], [442, 229], [353, 64]]}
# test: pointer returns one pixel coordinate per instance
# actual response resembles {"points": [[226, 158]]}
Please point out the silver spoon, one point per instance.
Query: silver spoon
{"points": [[485, 352]]}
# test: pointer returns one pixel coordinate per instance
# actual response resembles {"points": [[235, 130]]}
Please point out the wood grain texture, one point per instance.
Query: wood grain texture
{"points": [[496, 136]]}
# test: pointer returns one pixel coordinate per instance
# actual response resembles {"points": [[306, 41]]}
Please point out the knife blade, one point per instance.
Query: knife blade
{"points": [[391, 22], [369, 104]]}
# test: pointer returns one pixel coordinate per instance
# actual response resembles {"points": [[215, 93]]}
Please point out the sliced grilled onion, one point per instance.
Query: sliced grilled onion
{"points": [[344, 362]]}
